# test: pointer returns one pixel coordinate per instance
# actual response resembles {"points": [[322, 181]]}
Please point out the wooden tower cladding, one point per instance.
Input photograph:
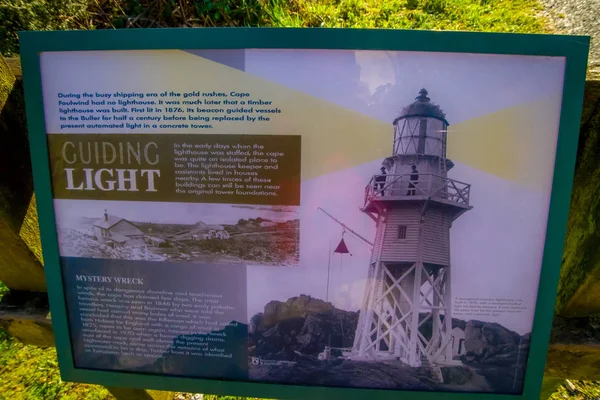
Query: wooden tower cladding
{"points": [[406, 312]]}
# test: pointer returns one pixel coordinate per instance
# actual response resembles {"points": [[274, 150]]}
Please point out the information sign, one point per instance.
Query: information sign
{"points": [[304, 213]]}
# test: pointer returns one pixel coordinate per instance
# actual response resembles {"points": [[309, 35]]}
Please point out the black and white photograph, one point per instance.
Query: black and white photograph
{"points": [[414, 257], [171, 232], [418, 269], [401, 333]]}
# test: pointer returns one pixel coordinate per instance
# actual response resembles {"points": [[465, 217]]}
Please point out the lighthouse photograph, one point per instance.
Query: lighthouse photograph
{"points": [[419, 269], [413, 207], [405, 321]]}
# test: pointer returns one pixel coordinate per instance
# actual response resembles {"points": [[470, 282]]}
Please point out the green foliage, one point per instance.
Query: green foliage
{"points": [[494, 15], [434, 6], [30, 372], [474, 15], [3, 289], [17, 15]]}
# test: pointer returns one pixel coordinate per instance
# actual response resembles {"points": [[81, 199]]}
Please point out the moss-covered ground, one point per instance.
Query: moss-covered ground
{"points": [[583, 390]]}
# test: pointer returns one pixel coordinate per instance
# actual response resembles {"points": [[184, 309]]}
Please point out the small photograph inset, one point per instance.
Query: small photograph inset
{"points": [[207, 233]]}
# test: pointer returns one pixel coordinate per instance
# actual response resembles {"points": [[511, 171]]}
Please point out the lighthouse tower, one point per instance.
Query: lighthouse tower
{"points": [[406, 312]]}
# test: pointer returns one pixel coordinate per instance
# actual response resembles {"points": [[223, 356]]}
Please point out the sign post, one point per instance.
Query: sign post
{"points": [[187, 179]]}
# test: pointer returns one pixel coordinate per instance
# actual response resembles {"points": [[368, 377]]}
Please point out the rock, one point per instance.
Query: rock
{"points": [[314, 331], [298, 330], [348, 373], [75, 243], [253, 327], [271, 314], [303, 340], [294, 307], [504, 379], [507, 358], [484, 340], [456, 375], [303, 324]]}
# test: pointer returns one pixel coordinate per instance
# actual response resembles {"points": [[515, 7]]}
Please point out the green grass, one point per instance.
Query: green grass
{"points": [[473, 15], [30, 372], [584, 390]]}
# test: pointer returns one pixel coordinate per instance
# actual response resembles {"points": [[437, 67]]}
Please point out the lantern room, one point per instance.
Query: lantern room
{"points": [[418, 167], [420, 129]]}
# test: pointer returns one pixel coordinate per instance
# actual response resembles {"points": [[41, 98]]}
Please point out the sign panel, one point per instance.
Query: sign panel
{"points": [[297, 207]]}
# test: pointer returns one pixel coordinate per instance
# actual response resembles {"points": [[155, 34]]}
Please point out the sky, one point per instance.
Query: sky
{"points": [[464, 85], [496, 247]]}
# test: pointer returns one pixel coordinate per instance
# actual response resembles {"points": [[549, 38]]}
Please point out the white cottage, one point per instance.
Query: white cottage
{"points": [[217, 233], [222, 234], [117, 231], [266, 224]]}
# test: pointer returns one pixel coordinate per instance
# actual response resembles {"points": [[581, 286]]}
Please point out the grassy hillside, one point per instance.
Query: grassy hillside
{"points": [[474, 15]]}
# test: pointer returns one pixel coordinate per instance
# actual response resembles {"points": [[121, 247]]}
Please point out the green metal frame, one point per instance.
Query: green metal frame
{"points": [[573, 48]]}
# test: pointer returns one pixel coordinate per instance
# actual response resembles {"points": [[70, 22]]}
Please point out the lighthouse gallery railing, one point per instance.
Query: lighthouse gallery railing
{"points": [[428, 185]]}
